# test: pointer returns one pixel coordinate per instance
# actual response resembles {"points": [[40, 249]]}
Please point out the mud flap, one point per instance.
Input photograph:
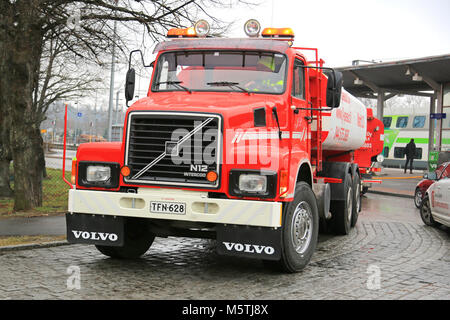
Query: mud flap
{"points": [[250, 242], [94, 229]]}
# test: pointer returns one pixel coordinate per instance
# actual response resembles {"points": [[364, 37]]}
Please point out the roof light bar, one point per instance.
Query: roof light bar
{"points": [[180, 33], [278, 33]]}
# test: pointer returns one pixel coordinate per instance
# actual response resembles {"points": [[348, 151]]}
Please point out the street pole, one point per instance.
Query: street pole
{"points": [[111, 86], [76, 125], [95, 113]]}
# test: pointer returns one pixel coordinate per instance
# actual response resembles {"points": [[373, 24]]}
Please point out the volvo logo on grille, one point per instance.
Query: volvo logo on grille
{"points": [[172, 148]]}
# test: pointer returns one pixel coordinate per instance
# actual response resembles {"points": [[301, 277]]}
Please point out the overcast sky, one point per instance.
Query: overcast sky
{"points": [[342, 30], [347, 30]]}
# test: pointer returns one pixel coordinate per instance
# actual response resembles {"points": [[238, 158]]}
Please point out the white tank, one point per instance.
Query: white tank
{"points": [[345, 127]]}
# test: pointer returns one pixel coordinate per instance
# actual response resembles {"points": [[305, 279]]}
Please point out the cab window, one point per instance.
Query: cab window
{"points": [[402, 122], [298, 83]]}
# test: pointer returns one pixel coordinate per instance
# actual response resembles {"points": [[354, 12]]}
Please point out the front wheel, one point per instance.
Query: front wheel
{"points": [[137, 241], [300, 230]]}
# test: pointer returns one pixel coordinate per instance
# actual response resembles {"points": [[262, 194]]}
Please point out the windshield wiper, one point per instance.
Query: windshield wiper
{"points": [[176, 84], [228, 84]]}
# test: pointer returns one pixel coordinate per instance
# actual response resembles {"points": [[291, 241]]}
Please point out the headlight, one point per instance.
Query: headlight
{"points": [[380, 158], [252, 183], [98, 174]]}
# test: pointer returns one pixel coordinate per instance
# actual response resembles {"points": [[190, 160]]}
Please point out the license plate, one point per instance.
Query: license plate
{"points": [[168, 207]]}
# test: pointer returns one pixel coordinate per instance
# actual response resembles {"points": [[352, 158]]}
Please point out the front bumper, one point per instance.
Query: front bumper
{"points": [[199, 208]]}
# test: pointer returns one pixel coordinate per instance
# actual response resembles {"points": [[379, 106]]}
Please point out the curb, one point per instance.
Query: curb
{"points": [[34, 246], [391, 194]]}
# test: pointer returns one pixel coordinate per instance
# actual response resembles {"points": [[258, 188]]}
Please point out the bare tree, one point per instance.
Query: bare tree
{"points": [[84, 29]]}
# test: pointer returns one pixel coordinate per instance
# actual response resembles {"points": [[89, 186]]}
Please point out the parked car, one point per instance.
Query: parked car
{"points": [[442, 171], [435, 207]]}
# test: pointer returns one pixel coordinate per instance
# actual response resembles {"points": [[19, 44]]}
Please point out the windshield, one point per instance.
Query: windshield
{"points": [[242, 71]]}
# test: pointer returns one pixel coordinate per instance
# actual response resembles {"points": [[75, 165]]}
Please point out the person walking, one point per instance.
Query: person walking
{"points": [[410, 151]]}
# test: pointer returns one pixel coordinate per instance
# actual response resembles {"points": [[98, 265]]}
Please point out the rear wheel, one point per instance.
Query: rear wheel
{"points": [[418, 197], [300, 230], [425, 213], [356, 208], [137, 241], [342, 209]]}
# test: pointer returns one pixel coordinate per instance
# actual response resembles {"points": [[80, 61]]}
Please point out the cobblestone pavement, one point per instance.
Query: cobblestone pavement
{"points": [[413, 262]]}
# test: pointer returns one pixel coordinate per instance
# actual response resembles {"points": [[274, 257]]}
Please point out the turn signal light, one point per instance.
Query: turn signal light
{"points": [[284, 182], [125, 171], [211, 176], [278, 33], [73, 178]]}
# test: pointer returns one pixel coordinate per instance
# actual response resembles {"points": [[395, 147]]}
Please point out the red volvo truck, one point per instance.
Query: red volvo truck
{"points": [[243, 141]]}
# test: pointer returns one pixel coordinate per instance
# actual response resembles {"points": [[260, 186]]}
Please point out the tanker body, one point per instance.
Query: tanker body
{"points": [[243, 141]]}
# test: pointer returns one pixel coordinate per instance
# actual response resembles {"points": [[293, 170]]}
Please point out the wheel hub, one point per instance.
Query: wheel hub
{"points": [[302, 224]]}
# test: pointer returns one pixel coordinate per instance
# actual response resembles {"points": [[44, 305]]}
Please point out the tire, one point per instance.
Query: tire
{"points": [[425, 213], [299, 231], [356, 208], [418, 197], [341, 210], [137, 241], [364, 190]]}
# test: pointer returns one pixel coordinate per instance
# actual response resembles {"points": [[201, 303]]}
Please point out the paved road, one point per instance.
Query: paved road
{"points": [[389, 240], [52, 226], [54, 160]]}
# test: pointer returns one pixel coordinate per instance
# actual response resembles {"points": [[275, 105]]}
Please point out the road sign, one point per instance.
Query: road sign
{"points": [[79, 114], [438, 116]]}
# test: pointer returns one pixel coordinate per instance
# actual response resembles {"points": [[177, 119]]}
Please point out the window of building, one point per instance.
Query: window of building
{"points": [[402, 122], [419, 122]]}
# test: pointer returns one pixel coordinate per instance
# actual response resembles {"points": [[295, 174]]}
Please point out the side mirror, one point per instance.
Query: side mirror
{"points": [[129, 85], [334, 88]]}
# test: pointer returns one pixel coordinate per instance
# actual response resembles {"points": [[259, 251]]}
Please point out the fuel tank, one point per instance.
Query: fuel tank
{"points": [[344, 128]]}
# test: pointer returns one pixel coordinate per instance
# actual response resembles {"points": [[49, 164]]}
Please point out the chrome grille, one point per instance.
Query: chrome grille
{"points": [[150, 134]]}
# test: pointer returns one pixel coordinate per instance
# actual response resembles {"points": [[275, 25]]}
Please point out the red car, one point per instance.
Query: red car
{"points": [[442, 171]]}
